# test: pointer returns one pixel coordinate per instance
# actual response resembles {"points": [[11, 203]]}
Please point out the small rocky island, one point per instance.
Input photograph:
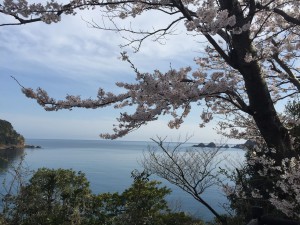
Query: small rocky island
{"points": [[248, 144], [209, 145]]}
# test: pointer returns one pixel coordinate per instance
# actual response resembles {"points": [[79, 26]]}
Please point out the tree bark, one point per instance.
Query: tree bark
{"points": [[260, 101]]}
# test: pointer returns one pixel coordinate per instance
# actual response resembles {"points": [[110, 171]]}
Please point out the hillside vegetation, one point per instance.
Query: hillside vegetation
{"points": [[9, 138]]}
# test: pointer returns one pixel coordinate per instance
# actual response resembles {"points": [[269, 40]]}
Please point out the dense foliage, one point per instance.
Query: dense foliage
{"points": [[63, 197], [51, 197]]}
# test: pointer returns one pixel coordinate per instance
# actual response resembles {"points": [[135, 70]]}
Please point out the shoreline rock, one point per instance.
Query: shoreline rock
{"points": [[32, 146]]}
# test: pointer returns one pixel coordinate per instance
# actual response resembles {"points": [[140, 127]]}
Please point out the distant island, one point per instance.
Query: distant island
{"points": [[210, 145], [247, 144], [11, 139]]}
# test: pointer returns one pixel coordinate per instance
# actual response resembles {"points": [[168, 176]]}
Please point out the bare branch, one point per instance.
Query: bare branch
{"points": [[158, 34], [193, 170]]}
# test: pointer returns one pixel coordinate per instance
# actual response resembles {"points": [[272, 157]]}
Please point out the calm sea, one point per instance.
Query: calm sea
{"points": [[108, 166]]}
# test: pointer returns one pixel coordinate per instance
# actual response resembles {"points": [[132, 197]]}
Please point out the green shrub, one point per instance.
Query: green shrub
{"points": [[51, 197], [63, 197]]}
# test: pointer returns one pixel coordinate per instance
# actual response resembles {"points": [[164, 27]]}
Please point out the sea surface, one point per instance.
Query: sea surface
{"points": [[108, 166]]}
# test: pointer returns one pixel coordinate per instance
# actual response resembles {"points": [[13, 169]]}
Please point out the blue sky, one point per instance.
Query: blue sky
{"points": [[72, 58]]}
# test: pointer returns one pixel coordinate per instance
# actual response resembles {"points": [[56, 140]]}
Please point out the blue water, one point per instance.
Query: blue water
{"points": [[108, 166]]}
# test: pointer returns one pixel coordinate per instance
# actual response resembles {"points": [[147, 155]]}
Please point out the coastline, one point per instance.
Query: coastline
{"points": [[13, 147]]}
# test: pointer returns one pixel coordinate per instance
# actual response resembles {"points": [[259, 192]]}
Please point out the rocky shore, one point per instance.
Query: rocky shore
{"points": [[32, 146]]}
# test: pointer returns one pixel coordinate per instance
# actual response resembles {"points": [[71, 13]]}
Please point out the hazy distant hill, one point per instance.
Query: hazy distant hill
{"points": [[9, 138]]}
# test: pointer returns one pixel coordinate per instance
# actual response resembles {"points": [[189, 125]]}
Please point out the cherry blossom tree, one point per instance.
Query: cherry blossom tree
{"points": [[250, 62]]}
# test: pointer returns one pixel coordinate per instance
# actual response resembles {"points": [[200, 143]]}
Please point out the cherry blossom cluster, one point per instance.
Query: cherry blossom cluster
{"points": [[47, 12], [289, 185], [210, 19], [240, 126], [158, 93], [284, 194], [51, 11], [153, 94]]}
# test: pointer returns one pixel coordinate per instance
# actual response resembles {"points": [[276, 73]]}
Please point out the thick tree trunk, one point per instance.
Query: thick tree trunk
{"points": [[261, 105]]}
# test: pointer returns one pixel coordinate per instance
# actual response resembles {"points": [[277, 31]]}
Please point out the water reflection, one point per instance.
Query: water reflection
{"points": [[8, 157]]}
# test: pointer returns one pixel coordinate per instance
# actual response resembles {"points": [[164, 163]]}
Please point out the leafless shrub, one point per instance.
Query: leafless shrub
{"points": [[194, 170]]}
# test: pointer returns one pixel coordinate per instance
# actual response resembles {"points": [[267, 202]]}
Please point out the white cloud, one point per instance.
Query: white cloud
{"points": [[73, 50]]}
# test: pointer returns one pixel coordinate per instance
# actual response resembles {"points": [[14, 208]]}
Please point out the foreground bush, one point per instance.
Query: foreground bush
{"points": [[63, 197], [51, 197]]}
